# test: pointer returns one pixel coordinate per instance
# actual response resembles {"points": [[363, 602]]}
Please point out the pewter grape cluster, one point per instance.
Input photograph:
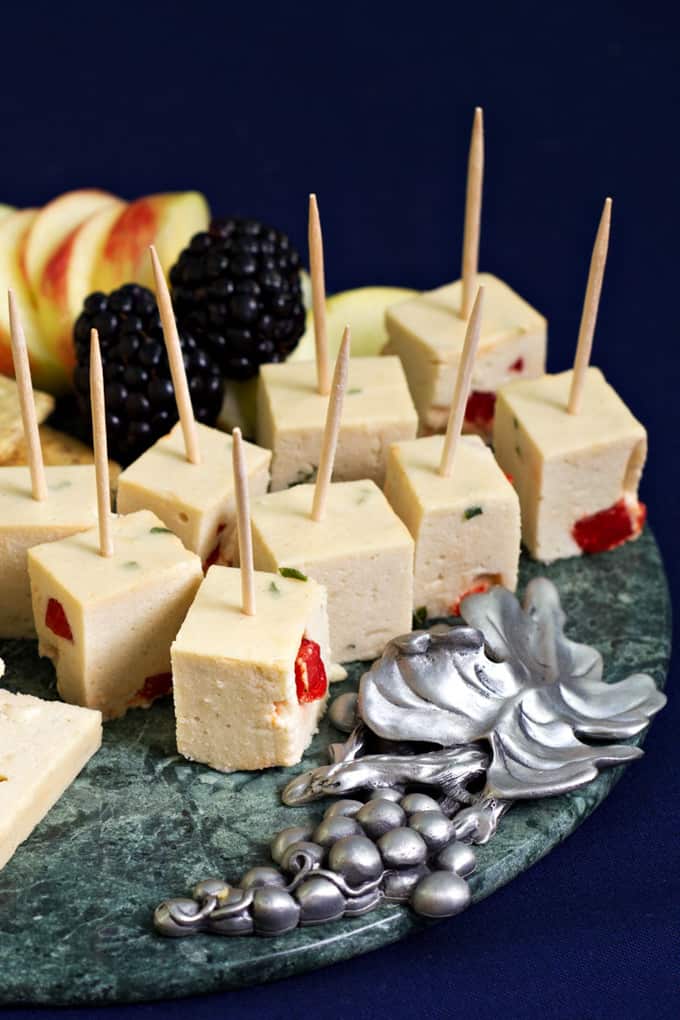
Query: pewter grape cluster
{"points": [[396, 847]]}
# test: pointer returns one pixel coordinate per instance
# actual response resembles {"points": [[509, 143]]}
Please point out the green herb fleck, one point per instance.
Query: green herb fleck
{"points": [[161, 531], [304, 475], [420, 617], [65, 483], [354, 391], [293, 572], [518, 452], [472, 511], [515, 422], [131, 565], [364, 495], [274, 589]]}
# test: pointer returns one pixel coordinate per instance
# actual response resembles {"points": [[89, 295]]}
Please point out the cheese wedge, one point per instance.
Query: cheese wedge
{"points": [[361, 552], [427, 333], [43, 747], [107, 623], [246, 694], [71, 506], [196, 501], [466, 527], [576, 475], [377, 411]]}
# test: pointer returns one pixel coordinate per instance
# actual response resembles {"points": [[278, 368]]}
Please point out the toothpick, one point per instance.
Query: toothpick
{"points": [[462, 390], [590, 306], [177, 370], [245, 537], [331, 429], [101, 455], [316, 269], [473, 213], [22, 372]]}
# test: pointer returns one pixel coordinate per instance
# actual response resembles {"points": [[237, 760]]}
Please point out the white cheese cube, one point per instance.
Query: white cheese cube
{"points": [[427, 333], [241, 700], [466, 527], [71, 506], [107, 623], [577, 475], [377, 411], [43, 747], [361, 552], [196, 501]]}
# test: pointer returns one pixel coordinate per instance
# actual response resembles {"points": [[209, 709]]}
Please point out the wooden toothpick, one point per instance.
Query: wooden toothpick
{"points": [[591, 304], [473, 214], [177, 370], [462, 390], [316, 269], [101, 455], [245, 538], [331, 429], [22, 372]]}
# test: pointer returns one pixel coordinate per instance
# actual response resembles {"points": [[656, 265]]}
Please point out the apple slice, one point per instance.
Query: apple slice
{"points": [[67, 280], [47, 373], [364, 310], [168, 221], [52, 227]]}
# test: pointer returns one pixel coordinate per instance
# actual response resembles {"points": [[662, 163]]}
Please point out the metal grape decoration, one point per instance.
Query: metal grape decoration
{"points": [[513, 708]]}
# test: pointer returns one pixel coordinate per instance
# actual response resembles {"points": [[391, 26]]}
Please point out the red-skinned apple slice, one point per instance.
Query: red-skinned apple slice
{"points": [[52, 227], [67, 279], [168, 221], [47, 373]]}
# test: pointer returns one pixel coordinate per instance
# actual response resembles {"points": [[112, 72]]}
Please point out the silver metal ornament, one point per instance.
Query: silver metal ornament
{"points": [[511, 707], [379, 816]]}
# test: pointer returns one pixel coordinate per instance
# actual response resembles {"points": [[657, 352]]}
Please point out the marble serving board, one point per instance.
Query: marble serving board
{"points": [[141, 823]]}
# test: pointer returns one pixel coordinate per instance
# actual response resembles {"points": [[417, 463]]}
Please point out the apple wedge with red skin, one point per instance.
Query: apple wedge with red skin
{"points": [[168, 221], [47, 372], [67, 280]]}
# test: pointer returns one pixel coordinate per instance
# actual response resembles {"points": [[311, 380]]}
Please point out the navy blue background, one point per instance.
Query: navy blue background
{"points": [[370, 105]]}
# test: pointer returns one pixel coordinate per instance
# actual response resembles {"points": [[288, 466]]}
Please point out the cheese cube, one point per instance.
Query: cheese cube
{"points": [[196, 501], [377, 411], [428, 334], [577, 475], [43, 747], [71, 506], [361, 552], [240, 697], [466, 527], [107, 623]]}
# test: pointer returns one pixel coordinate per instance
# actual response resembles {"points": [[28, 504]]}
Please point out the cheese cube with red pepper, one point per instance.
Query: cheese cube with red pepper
{"points": [[427, 333], [107, 622], [377, 411], [196, 501], [71, 506], [249, 690], [576, 475], [466, 526], [361, 552]]}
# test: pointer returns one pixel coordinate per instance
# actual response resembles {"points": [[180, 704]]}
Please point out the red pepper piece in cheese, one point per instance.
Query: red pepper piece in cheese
{"points": [[310, 673], [518, 365], [156, 686], [611, 527], [57, 621], [480, 407]]}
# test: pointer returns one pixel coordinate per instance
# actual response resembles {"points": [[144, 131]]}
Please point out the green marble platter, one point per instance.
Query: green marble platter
{"points": [[141, 823]]}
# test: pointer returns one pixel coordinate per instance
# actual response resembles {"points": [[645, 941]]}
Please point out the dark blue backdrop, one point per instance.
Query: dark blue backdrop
{"points": [[370, 105]]}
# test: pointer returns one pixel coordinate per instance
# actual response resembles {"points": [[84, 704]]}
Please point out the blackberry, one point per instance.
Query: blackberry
{"points": [[237, 289], [140, 399]]}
